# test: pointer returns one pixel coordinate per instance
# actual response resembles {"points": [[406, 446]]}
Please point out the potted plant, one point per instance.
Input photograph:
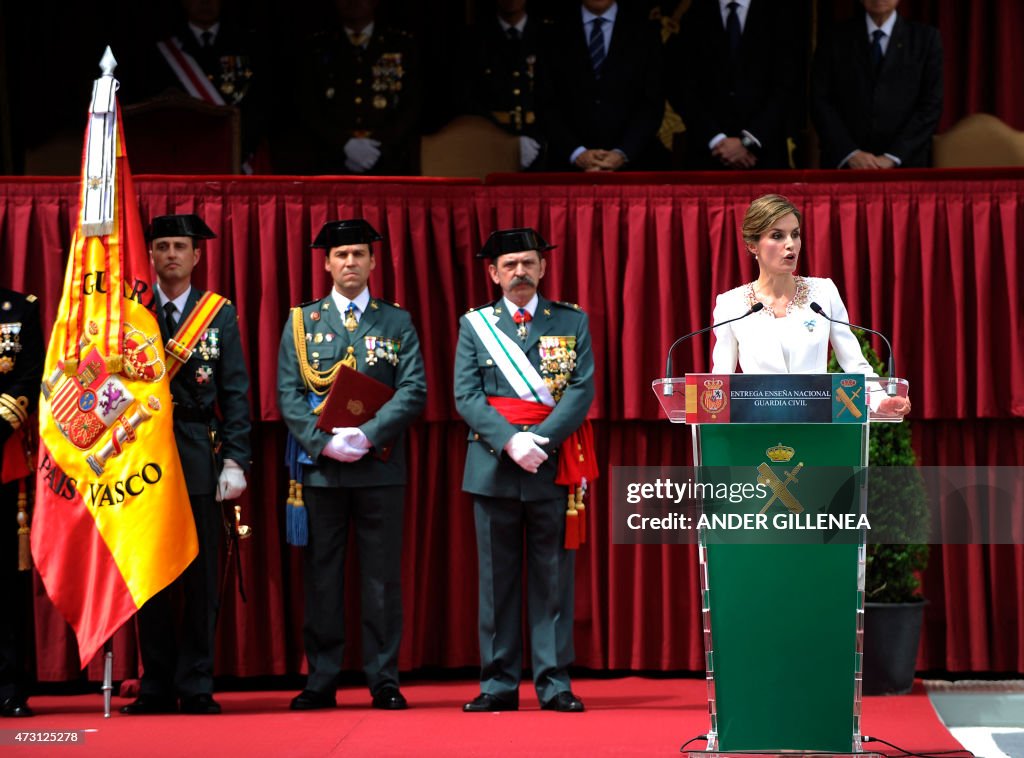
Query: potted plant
{"points": [[894, 607]]}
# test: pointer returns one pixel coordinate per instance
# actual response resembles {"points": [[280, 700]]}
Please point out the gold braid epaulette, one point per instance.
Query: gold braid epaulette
{"points": [[318, 382]]}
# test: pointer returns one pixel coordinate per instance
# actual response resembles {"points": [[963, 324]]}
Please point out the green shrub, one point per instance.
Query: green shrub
{"points": [[892, 569]]}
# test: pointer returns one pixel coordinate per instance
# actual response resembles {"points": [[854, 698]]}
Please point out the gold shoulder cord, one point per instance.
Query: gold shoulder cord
{"points": [[318, 382]]}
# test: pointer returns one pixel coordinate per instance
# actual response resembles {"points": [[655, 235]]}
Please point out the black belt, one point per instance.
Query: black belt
{"points": [[192, 413]]}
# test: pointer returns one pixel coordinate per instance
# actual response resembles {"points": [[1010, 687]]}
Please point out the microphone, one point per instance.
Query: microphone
{"points": [[890, 388], [667, 390]]}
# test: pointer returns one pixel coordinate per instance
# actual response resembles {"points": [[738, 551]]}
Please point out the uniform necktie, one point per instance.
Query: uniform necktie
{"points": [[359, 39], [732, 28], [512, 34], [207, 38], [522, 317], [876, 47], [350, 317], [596, 45], [169, 319]]}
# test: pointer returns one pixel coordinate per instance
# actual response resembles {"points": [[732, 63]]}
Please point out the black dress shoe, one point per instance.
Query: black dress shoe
{"points": [[146, 705], [16, 708], [390, 699], [484, 703], [564, 702], [200, 704], [308, 700]]}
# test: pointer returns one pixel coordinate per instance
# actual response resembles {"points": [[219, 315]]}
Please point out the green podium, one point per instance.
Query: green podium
{"points": [[782, 615]]}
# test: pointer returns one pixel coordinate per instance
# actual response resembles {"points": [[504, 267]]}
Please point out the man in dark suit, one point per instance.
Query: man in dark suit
{"points": [[360, 95], [601, 92], [732, 75], [524, 382], [876, 91], [354, 475], [497, 74], [211, 428], [21, 369]]}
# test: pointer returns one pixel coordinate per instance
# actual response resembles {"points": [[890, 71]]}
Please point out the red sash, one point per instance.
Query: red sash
{"points": [[576, 460]]}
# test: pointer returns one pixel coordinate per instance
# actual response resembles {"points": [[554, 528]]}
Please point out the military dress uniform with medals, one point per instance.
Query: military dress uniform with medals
{"points": [[370, 90], [500, 82], [219, 69], [21, 370], [211, 424], [369, 493], [509, 501]]}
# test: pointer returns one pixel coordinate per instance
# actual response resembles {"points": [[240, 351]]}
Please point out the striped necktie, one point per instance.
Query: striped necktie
{"points": [[596, 45]]}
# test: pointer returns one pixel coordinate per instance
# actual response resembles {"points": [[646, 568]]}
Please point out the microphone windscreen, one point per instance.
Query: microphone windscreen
{"points": [[816, 308], [756, 307]]}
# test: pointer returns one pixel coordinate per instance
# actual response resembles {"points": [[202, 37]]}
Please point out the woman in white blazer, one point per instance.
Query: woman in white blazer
{"points": [[786, 336]]}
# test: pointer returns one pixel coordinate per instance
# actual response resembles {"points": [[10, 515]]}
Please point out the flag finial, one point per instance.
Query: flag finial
{"points": [[108, 62]]}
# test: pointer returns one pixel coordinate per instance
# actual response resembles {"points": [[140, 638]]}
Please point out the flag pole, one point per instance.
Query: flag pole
{"points": [[108, 675]]}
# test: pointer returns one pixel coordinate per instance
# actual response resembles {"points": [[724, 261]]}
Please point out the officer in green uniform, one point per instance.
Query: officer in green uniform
{"points": [[354, 475], [211, 429], [360, 96], [511, 468], [21, 369]]}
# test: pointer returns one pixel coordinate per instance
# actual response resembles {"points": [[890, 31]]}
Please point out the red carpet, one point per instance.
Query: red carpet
{"points": [[628, 716]]}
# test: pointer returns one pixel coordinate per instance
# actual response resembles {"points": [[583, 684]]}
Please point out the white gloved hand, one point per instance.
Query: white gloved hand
{"points": [[525, 449], [361, 154], [354, 435], [347, 445], [529, 149], [231, 483]]}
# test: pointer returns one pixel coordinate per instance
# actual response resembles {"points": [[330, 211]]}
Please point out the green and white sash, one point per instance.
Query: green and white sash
{"points": [[509, 358]]}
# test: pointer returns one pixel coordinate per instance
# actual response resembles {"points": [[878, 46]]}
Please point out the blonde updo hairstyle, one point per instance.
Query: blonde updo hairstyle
{"points": [[762, 215]]}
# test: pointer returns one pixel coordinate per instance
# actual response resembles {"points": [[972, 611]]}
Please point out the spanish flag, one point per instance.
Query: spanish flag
{"points": [[112, 524]]}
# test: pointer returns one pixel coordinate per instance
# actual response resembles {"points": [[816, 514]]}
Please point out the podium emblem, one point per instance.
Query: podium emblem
{"points": [[713, 398]]}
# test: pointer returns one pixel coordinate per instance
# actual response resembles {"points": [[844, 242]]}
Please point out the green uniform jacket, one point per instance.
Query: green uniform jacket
{"points": [[211, 391], [21, 360], [400, 366], [489, 471]]}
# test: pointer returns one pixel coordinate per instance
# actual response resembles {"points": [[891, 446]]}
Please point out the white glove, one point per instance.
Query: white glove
{"points": [[525, 449], [529, 149], [231, 483], [361, 154], [347, 445]]}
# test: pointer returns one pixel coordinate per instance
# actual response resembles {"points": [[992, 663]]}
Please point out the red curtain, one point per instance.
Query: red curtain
{"points": [[931, 258], [981, 46]]}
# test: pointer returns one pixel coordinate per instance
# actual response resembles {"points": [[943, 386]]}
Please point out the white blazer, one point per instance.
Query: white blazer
{"points": [[796, 344]]}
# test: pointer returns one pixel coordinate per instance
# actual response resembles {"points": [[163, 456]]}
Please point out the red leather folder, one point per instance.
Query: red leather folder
{"points": [[354, 399]]}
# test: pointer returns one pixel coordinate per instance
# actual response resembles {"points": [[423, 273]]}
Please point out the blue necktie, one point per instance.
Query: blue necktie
{"points": [[596, 45], [732, 28], [876, 48]]}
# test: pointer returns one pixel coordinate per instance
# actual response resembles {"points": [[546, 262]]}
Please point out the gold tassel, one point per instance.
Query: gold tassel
{"points": [[572, 526], [24, 532], [581, 510]]}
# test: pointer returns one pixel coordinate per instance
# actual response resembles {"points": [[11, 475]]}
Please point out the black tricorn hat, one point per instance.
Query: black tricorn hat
{"points": [[513, 241], [354, 231], [181, 225]]}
